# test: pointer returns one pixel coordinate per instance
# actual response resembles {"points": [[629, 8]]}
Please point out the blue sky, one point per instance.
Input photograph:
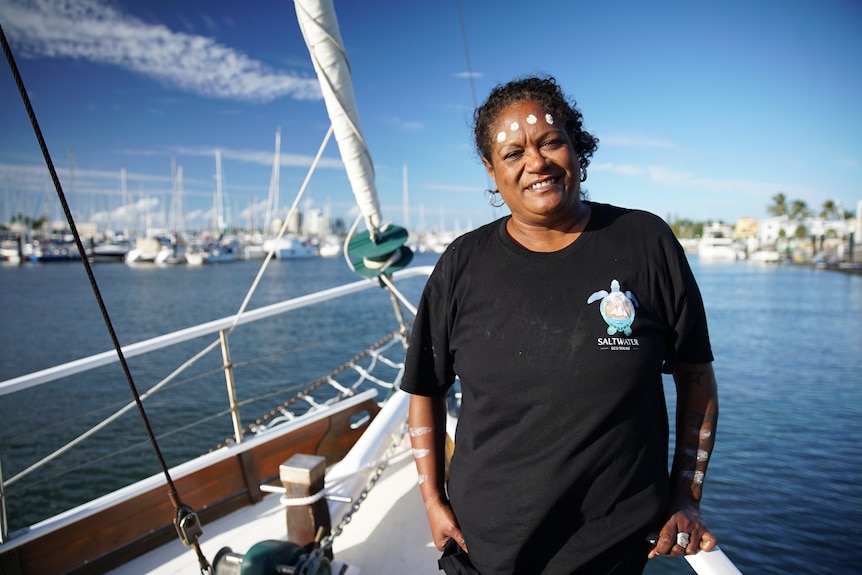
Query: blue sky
{"points": [[704, 110]]}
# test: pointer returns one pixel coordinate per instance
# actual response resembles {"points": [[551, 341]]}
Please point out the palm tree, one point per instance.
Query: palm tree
{"points": [[829, 210], [798, 210], [779, 205]]}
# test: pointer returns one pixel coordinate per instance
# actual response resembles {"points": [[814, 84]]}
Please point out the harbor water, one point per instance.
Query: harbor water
{"points": [[784, 488]]}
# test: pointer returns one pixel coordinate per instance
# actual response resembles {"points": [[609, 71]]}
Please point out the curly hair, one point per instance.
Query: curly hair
{"points": [[548, 94]]}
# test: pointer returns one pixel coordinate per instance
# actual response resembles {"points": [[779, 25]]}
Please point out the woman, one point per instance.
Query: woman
{"points": [[559, 321]]}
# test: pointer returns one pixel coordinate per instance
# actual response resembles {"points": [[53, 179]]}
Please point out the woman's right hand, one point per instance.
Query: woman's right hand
{"points": [[444, 526]]}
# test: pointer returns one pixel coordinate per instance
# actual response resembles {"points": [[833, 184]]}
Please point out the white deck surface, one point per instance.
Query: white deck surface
{"points": [[401, 543], [389, 535]]}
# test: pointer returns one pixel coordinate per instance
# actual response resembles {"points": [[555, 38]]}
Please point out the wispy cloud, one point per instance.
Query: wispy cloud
{"points": [[673, 178], [91, 30], [628, 141], [622, 169], [263, 158], [408, 125], [669, 177]]}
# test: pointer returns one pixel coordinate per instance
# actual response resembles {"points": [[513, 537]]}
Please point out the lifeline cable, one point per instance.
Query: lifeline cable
{"points": [[172, 490]]}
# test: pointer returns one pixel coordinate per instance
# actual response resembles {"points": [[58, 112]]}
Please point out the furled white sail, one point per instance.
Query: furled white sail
{"points": [[320, 30]]}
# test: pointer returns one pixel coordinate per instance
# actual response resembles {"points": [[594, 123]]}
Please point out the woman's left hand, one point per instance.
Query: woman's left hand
{"points": [[685, 533]]}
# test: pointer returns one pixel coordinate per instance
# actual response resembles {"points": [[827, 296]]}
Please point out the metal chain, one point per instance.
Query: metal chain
{"points": [[326, 542]]}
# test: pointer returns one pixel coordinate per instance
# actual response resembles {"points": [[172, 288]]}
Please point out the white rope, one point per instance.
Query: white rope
{"points": [[388, 281], [382, 265], [366, 376], [310, 401], [300, 501], [393, 364], [327, 492], [294, 501], [337, 386], [350, 233]]}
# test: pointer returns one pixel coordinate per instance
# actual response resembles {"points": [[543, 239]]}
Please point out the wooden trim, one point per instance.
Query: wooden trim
{"points": [[249, 476]]}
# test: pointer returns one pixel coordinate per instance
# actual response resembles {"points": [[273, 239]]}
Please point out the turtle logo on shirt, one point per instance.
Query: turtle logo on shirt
{"points": [[617, 308]]}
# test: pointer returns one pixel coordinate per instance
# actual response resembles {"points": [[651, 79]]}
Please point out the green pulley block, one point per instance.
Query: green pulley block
{"points": [[369, 257], [262, 558]]}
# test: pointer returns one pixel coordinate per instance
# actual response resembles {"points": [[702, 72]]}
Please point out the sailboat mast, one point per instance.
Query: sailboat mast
{"points": [[127, 204], [273, 201], [218, 215], [181, 224]]}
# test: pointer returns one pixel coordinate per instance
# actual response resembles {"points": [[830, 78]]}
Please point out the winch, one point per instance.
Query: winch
{"points": [[272, 558]]}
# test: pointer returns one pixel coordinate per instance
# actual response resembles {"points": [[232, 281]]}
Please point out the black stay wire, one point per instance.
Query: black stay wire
{"points": [[467, 53], [172, 490]]}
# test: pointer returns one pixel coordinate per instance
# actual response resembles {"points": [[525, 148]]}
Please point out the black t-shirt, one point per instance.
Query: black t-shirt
{"points": [[561, 448]]}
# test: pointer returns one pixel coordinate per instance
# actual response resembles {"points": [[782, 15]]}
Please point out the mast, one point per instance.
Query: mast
{"points": [[180, 209], [322, 36], [73, 199], [218, 206], [175, 216], [272, 200], [127, 205]]}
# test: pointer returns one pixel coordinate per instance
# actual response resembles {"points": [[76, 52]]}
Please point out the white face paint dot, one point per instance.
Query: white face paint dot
{"points": [[514, 127], [549, 119], [501, 136], [531, 119]]}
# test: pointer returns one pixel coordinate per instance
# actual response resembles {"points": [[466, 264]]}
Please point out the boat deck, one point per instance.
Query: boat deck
{"points": [[368, 544]]}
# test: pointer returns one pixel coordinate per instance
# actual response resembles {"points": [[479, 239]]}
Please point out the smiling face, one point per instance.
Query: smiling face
{"points": [[534, 166]]}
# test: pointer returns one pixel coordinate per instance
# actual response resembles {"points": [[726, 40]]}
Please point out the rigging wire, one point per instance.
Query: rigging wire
{"points": [[472, 78], [43, 146], [467, 53]]}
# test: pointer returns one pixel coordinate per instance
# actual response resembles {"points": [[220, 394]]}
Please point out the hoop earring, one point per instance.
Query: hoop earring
{"points": [[583, 174], [495, 202]]}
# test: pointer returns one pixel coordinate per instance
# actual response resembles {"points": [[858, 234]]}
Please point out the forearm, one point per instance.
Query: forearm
{"points": [[427, 428], [696, 419]]}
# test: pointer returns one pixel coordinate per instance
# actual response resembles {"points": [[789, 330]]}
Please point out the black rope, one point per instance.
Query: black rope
{"points": [[19, 82]]}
